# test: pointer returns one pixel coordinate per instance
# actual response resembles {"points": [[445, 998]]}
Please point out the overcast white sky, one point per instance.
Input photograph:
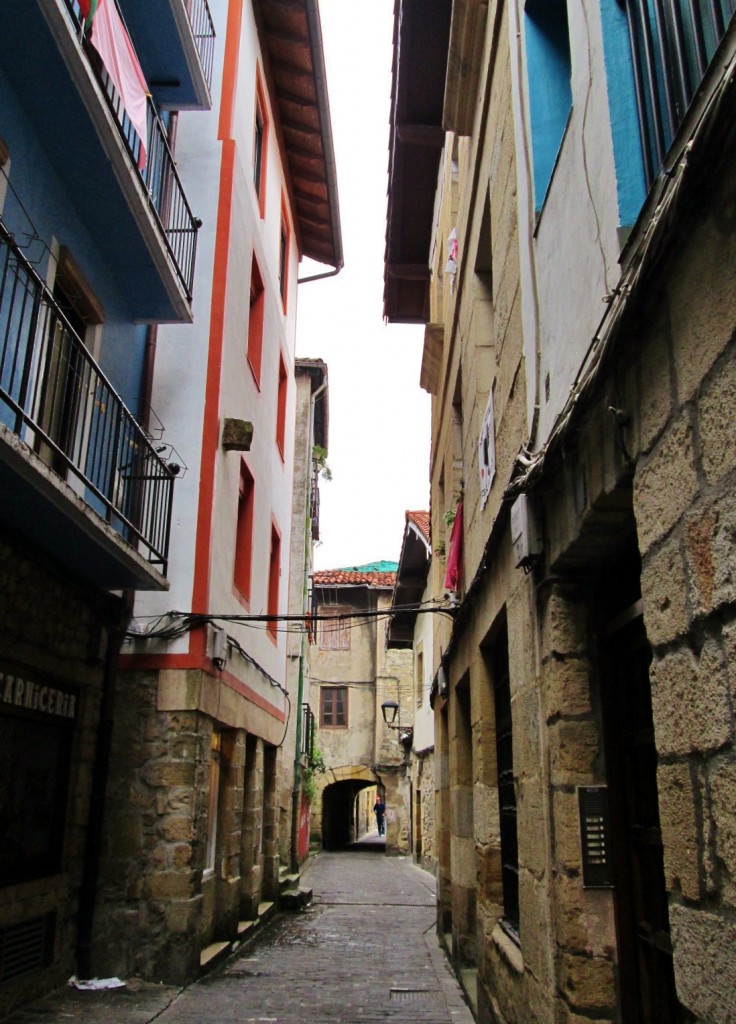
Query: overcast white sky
{"points": [[379, 416]]}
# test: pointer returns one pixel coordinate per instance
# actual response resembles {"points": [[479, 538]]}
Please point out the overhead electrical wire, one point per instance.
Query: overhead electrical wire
{"points": [[174, 624]]}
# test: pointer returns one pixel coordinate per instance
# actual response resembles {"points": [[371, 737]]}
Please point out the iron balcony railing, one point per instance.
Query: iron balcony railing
{"points": [[165, 194], [57, 400], [672, 43], [203, 30]]}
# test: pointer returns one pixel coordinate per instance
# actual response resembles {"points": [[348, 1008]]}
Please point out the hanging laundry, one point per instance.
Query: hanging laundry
{"points": [[454, 568], [110, 38]]}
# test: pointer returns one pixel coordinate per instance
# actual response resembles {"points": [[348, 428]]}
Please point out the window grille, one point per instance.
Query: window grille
{"points": [[672, 43]]}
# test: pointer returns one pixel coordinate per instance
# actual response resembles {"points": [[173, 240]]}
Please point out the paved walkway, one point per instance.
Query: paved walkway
{"points": [[364, 951]]}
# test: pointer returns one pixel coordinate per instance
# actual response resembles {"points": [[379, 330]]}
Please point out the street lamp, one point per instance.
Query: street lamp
{"points": [[390, 710]]}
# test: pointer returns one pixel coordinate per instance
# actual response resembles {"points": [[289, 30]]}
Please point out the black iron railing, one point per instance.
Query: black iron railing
{"points": [[57, 400], [308, 727], [203, 30], [164, 191], [672, 43]]}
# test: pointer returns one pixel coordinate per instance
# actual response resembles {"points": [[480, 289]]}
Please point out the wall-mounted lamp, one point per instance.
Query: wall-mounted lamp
{"points": [[389, 710], [392, 717]]}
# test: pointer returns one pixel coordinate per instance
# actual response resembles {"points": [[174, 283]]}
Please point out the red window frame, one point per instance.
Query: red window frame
{"points": [[274, 577], [261, 127], [255, 321], [243, 566], [283, 390], [284, 253]]}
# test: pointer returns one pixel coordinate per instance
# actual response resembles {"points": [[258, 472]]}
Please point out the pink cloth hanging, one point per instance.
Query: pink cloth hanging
{"points": [[454, 568], [111, 40]]}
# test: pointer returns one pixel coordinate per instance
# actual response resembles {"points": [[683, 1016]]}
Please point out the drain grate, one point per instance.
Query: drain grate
{"points": [[411, 995]]}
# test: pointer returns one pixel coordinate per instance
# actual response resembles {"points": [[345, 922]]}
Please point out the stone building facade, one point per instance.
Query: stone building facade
{"points": [[352, 673], [575, 280], [411, 628], [311, 445]]}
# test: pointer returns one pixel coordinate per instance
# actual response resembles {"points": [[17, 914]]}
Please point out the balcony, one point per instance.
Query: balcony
{"points": [[139, 219], [175, 42], [78, 475]]}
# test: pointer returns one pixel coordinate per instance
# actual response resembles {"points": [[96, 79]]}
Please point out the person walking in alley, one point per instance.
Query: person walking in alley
{"points": [[379, 809]]}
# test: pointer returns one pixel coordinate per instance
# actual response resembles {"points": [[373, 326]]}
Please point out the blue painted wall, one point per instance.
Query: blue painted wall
{"points": [[627, 154], [37, 200], [550, 94]]}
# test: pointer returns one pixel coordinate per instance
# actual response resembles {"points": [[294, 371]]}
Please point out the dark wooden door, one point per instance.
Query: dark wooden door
{"points": [[647, 985]]}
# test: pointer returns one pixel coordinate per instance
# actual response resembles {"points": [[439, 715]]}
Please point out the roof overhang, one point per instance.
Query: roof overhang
{"points": [[416, 140], [464, 64], [291, 38], [411, 581]]}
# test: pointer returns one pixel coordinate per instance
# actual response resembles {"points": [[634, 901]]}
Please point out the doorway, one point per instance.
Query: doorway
{"points": [[647, 991]]}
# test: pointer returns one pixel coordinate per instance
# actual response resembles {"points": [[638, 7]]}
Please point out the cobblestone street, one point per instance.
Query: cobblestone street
{"points": [[364, 951]]}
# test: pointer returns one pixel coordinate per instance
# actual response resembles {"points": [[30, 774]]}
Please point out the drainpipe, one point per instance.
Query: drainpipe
{"points": [[296, 791]]}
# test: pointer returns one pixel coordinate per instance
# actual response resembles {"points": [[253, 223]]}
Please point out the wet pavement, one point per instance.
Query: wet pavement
{"points": [[364, 951]]}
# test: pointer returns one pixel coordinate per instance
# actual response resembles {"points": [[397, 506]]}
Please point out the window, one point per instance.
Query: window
{"points": [[284, 238], [672, 45], [63, 414], [333, 707], [499, 657], [35, 757], [281, 407], [419, 676], [260, 140], [550, 94], [244, 533], [255, 321], [334, 635], [274, 574]]}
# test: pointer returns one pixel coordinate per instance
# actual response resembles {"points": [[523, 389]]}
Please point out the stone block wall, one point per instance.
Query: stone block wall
{"points": [[158, 906], [252, 835], [270, 889], [229, 833], [685, 506], [585, 937], [149, 910], [424, 810]]}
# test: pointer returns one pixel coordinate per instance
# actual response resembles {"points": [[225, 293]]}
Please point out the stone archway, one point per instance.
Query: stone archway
{"points": [[334, 822]]}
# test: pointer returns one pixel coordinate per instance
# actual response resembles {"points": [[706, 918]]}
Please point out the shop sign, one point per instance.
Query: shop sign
{"points": [[22, 692]]}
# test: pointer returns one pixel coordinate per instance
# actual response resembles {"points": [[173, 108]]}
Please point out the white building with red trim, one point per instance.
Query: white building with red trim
{"points": [[193, 820]]}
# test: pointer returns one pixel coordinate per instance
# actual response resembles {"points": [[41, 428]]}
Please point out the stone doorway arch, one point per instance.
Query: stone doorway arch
{"points": [[336, 820]]}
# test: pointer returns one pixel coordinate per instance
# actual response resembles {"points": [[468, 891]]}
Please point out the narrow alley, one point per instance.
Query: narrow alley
{"points": [[365, 950]]}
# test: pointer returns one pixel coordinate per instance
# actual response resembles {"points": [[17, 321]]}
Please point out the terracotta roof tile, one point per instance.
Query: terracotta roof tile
{"points": [[358, 575], [421, 521]]}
